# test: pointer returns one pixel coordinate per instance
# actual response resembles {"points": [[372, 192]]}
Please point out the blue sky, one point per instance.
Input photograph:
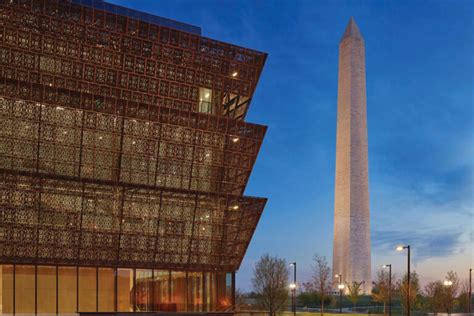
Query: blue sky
{"points": [[420, 91]]}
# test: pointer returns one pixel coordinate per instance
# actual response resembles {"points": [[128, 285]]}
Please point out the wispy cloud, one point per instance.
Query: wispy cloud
{"points": [[428, 244]]}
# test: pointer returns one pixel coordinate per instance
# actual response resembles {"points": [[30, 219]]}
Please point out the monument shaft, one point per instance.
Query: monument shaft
{"points": [[351, 248]]}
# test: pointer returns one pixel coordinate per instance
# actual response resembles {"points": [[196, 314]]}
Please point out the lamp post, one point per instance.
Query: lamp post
{"points": [[389, 287], [340, 287], [401, 248], [293, 288], [448, 283]]}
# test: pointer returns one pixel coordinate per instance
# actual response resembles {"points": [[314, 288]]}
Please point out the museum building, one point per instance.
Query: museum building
{"points": [[124, 156]]}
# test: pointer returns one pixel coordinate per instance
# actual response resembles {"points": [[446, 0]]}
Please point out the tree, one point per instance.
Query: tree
{"points": [[451, 291], [321, 279], [270, 283], [402, 287], [464, 299], [434, 296], [240, 297], [441, 296], [353, 292], [381, 289]]}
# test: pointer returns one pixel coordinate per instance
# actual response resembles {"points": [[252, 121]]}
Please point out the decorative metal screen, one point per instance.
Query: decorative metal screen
{"points": [[58, 221], [105, 158]]}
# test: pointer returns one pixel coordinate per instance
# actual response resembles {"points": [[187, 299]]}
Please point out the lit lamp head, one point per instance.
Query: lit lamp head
{"points": [[292, 286], [340, 286], [386, 266], [448, 282], [400, 248]]}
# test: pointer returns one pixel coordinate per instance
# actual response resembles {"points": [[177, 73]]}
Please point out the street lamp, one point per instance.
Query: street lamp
{"points": [[341, 288], [389, 287], [401, 248], [293, 288]]}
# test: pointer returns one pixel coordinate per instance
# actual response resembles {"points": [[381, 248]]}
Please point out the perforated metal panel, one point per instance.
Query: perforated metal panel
{"points": [[104, 157]]}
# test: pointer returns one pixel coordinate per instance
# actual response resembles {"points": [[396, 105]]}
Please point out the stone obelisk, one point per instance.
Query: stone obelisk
{"points": [[351, 248]]}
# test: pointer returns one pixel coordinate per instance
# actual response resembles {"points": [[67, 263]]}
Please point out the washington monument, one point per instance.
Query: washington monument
{"points": [[351, 248]]}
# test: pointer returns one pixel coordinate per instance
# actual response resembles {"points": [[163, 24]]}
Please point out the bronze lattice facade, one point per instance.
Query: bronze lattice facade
{"points": [[123, 149]]}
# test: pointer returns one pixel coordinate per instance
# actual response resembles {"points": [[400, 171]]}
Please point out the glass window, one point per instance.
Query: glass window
{"points": [[87, 289], [46, 289], [224, 290], [178, 291], [6, 289], [67, 289], [24, 289], [195, 291], [210, 291], [205, 100], [125, 297], [106, 290], [144, 289], [160, 289]]}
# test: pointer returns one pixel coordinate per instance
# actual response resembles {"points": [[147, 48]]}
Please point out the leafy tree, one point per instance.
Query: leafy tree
{"points": [[354, 292], [402, 287], [441, 296], [321, 279], [270, 283], [434, 296], [381, 289]]}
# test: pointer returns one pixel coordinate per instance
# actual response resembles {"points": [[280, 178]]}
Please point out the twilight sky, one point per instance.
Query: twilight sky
{"points": [[420, 92]]}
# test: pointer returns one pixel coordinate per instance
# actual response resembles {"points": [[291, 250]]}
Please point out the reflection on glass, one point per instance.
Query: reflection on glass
{"points": [[178, 291], [46, 289], [67, 289], [144, 289], [223, 299], [210, 290], [195, 291], [87, 289], [160, 290], [24, 289], [6, 291], [106, 290], [125, 299]]}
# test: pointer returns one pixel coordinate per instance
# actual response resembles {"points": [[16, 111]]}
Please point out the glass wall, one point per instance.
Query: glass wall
{"points": [[195, 292], [161, 290], [87, 289], [46, 289], [210, 291], [49, 290], [106, 290], [67, 289], [6, 290], [178, 291], [125, 297], [144, 290], [24, 289]]}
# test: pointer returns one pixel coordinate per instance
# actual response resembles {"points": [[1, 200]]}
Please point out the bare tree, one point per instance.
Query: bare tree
{"points": [[451, 290], [321, 279], [239, 300], [354, 292], [270, 283], [464, 299]]}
